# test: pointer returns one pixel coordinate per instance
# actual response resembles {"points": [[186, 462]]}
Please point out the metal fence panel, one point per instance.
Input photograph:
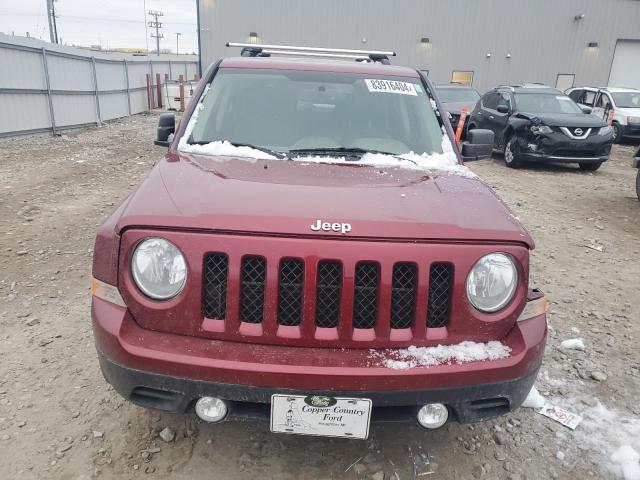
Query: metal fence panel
{"points": [[46, 87], [113, 105], [70, 73], [74, 109], [21, 69], [110, 76], [14, 106]]}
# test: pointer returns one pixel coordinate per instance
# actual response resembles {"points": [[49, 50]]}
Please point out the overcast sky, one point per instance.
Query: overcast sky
{"points": [[110, 23]]}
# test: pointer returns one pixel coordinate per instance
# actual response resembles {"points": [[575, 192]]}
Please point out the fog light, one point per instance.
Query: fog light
{"points": [[433, 415], [211, 409]]}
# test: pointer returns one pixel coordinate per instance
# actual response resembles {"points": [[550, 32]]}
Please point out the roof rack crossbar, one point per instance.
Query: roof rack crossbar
{"points": [[255, 50], [267, 51]]}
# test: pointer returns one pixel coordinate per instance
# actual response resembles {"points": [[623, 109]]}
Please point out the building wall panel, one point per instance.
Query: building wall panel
{"points": [[527, 41], [113, 105], [110, 76], [21, 69], [74, 109]]}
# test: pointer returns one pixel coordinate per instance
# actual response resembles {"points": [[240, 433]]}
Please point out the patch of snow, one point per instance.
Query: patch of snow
{"points": [[534, 399], [572, 344], [464, 352], [628, 460], [612, 436], [225, 149]]}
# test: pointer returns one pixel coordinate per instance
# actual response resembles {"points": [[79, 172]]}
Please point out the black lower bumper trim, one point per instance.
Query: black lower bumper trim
{"points": [[467, 404]]}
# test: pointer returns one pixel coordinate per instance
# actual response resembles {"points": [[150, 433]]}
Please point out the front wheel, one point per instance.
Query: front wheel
{"points": [[590, 167], [616, 132], [512, 156]]}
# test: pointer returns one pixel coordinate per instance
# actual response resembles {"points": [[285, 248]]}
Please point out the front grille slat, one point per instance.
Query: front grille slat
{"points": [[440, 287], [365, 298], [328, 294], [290, 292], [214, 294], [403, 295], [252, 284], [368, 300]]}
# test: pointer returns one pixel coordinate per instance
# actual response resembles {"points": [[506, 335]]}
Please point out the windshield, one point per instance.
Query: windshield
{"points": [[458, 95], [545, 103], [284, 111], [627, 99]]}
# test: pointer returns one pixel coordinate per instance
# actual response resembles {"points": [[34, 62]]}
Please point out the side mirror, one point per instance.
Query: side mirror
{"points": [[479, 144], [502, 109], [586, 109], [166, 128]]}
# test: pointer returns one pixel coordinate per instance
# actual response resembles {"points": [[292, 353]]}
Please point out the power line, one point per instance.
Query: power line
{"points": [[157, 25]]}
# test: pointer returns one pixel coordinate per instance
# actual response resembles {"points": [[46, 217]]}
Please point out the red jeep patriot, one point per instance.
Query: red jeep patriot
{"points": [[312, 250]]}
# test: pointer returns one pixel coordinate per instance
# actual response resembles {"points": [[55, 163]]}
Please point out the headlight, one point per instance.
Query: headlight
{"points": [[492, 282], [605, 130], [158, 268], [633, 119], [541, 130]]}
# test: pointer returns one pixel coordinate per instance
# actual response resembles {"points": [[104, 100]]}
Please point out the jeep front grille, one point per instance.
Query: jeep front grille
{"points": [[252, 285], [440, 281], [360, 302], [403, 295], [291, 289], [214, 296], [365, 299], [328, 289]]}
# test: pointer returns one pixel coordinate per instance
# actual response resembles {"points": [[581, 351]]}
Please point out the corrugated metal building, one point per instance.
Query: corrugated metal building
{"points": [[489, 42]]}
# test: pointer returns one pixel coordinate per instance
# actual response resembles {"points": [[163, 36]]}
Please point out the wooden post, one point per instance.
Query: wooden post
{"points": [[159, 90], [149, 93], [181, 80]]}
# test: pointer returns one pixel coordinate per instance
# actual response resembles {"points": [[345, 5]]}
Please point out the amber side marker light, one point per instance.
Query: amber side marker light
{"points": [[535, 307], [106, 292]]}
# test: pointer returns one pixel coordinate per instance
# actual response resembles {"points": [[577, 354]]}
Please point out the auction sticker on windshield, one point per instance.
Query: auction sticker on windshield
{"points": [[321, 416], [390, 86]]}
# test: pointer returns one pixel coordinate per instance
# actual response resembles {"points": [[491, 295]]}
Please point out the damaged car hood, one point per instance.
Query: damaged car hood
{"points": [[564, 119], [227, 194]]}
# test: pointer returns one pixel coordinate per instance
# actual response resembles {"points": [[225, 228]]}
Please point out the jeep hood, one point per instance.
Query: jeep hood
{"points": [[227, 194], [565, 119]]}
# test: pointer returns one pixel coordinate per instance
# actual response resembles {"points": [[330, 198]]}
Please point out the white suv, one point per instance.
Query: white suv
{"points": [[624, 101]]}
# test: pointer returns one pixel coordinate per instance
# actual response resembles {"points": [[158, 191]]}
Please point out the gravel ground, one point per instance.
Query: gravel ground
{"points": [[59, 419]]}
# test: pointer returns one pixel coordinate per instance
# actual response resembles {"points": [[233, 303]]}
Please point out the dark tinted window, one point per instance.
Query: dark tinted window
{"points": [[576, 95], [546, 103], [490, 100], [505, 100]]}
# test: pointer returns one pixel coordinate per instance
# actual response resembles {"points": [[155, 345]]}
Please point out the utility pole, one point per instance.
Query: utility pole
{"points": [[177, 37], [51, 15], [157, 25]]}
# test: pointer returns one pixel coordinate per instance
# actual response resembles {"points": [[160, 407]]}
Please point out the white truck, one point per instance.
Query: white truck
{"points": [[625, 103]]}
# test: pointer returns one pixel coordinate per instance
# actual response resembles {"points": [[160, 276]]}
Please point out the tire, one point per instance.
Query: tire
{"points": [[616, 132], [590, 167], [512, 157], [638, 184]]}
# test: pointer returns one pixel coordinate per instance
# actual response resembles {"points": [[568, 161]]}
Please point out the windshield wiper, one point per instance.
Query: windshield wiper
{"points": [[249, 145], [346, 152]]}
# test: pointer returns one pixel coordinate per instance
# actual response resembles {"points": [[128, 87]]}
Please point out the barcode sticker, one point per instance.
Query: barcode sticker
{"points": [[391, 86]]}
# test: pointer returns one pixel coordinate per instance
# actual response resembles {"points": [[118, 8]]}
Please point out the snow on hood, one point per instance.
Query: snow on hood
{"points": [[464, 352], [446, 161]]}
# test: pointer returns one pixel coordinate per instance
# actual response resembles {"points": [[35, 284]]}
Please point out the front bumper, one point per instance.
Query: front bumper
{"points": [[557, 147], [630, 131], [169, 372]]}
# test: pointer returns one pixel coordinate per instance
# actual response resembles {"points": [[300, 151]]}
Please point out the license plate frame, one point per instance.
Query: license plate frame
{"points": [[321, 416]]}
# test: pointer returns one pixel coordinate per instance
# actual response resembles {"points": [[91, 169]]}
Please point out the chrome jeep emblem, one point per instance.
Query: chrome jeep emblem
{"points": [[577, 132], [343, 228]]}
